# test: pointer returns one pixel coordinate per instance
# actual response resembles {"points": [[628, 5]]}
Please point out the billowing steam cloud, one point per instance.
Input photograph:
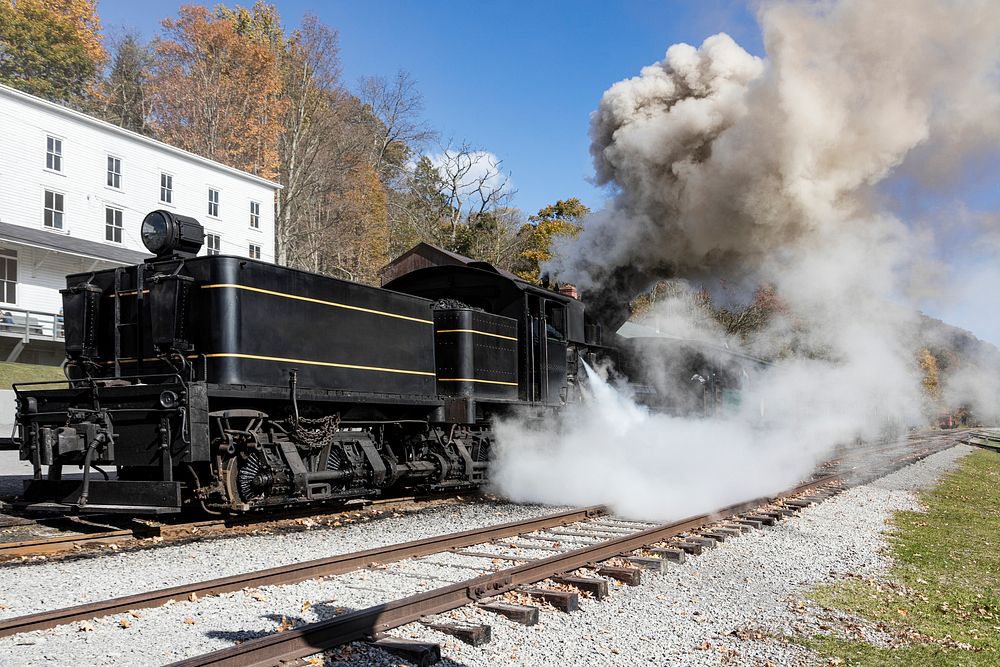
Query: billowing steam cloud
{"points": [[732, 168], [724, 161]]}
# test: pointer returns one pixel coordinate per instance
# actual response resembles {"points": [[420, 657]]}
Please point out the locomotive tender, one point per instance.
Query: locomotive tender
{"points": [[225, 384]]}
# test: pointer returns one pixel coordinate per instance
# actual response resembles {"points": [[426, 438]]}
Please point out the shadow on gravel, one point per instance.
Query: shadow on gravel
{"points": [[350, 654]]}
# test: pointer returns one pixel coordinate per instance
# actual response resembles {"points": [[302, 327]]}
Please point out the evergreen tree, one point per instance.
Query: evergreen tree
{"points": [[124, 98]]}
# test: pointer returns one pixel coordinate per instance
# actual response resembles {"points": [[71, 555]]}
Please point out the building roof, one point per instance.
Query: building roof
{"points": [[135, 136], [426, 254], [39, 238]]}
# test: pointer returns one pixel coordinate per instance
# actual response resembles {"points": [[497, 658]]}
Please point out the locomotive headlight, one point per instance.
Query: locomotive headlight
{"points": [[169, 400], [165, 233]]}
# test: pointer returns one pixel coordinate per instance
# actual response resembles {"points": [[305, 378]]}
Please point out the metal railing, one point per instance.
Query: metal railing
{"points": [[31, 324]]}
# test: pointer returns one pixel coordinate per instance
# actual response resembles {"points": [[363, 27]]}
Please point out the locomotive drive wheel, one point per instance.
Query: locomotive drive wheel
{"points": [[249, 478]]}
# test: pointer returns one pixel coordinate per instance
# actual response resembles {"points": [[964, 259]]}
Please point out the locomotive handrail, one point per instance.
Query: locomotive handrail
{"points": [[17, 385]]}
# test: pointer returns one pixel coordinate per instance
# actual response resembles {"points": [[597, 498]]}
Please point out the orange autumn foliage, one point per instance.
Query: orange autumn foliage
{"points": [[217, 93]]}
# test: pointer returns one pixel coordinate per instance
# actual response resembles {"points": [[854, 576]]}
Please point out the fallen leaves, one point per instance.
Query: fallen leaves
{"points": [[189, 621], [285, 624], [124, 624]]}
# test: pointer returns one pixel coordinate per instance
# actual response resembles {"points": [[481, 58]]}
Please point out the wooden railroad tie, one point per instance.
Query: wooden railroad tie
{"points": [[422, 654], [519, 613], [593, 585], [561, 600], [630, 576], [471, 634]]}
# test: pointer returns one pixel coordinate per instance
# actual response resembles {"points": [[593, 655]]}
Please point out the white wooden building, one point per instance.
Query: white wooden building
{"points": [[73, 193]]}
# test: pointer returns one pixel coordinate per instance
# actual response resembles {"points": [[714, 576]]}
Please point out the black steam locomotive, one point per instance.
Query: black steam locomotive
{"points": [[224, 384]]}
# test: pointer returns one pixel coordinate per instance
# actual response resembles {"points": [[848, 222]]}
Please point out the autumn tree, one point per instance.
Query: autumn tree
{"points": [[930, 380], [82, 16], [743, 320], [493, 236], [124, 95], [217, 92], [564, 218], [51, 48]]}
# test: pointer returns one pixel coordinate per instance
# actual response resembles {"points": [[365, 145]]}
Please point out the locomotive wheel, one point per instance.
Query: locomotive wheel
{"points": [[249, 479]]}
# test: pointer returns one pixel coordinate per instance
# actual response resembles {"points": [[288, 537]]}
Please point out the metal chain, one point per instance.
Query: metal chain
{"points": [[316, 433]]}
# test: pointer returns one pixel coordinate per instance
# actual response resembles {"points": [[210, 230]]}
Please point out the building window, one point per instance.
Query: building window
{"points": [[166, 188], [254, 251], [8, 276], [114, 172], [213, 203], [213, 244], [53, 154], [54, 210], [255, 215], [113, 225]]}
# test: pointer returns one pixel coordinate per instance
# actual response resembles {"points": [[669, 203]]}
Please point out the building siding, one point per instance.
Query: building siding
{"points": [[25, 124]]}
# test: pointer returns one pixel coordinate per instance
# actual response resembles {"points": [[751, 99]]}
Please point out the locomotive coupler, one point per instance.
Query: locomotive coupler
{"points": [[77, 441]]}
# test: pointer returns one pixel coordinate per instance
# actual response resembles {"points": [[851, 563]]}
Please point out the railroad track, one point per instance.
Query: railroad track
{"points": [[641, 546], [984, 439], [142, 531]]}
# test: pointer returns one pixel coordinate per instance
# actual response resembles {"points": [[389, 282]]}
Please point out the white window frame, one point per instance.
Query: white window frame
{"points": [[111, 173], [216, 203], [56, 154], [254, 214], [46, 209], [120, 227], [209, 250], [168, 190], [254, 251], [6, 255]]}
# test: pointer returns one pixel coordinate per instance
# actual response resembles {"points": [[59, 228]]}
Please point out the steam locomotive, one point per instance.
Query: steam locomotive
{"points": [[225, 384]]}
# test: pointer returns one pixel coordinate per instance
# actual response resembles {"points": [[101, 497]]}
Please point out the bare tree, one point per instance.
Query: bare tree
{"points": [[472, 183], [396, 106], [311, 72]]}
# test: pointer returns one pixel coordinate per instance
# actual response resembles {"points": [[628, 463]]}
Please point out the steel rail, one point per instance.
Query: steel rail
{"points": [[372, 621], [59, 543], [297, 572], [292, 573], [365, 623], [171, 531]]}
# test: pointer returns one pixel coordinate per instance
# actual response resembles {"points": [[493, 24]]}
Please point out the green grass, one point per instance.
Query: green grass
{"points": [[11, 373], [940, 602]]}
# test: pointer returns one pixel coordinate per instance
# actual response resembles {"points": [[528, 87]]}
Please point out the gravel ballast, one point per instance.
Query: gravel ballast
{"points": [[694, 614]]}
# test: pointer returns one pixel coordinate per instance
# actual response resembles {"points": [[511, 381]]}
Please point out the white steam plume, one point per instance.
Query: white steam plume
{"points": [[733, 168]]}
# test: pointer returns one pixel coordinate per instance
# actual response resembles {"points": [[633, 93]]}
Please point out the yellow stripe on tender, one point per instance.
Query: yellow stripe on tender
{"points": [[319, 301], [473, 331], [507, 384], [356, 367], [258, 357]]}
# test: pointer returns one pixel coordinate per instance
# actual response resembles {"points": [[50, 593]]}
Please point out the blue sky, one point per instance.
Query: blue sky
{"points": [[520, 79]]}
